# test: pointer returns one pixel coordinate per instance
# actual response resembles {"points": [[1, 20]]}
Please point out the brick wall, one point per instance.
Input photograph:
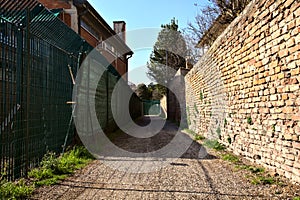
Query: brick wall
{"points": [[245, 90]]}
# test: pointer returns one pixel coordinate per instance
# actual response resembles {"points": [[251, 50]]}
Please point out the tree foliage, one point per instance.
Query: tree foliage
{"points": [[168, 54], [152, 92], [143, 92], [222, 12]]}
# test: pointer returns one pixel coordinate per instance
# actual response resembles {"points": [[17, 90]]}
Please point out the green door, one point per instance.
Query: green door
{"points": [[151, 107]]}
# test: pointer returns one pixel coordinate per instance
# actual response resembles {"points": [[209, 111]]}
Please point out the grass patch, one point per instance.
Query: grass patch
{"points": [[249, 121], [230, 158], [15, 190], [258, 175], [214, 144], [196, 136], [265, 180], [189, 131], [53, 168], [251, 168], [199, 137], [296, 198]]}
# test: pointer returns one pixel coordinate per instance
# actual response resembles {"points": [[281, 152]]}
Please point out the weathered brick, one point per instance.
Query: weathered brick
{"points": [[294, 88], [284, 96], [296, 171], [297, 102], [294, 49], [296, 117], [295, 71], [269, 93], [273, 97], [287, 168], [296, 145], [277, 69], [283, 53], [288, 109], [291, 42]]}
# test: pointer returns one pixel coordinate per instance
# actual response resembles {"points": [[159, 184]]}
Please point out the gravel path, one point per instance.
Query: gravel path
{"points": [[188, 177]]}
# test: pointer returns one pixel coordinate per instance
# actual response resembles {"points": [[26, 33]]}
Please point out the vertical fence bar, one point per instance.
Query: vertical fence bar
{"points": [[28, 88], [19, 91], [3, 81]]}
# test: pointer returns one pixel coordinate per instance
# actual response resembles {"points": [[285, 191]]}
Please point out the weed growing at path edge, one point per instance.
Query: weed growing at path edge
{"points": [[214, 144], [230, 158], [52, 169], [15, 190], [196, 136]]}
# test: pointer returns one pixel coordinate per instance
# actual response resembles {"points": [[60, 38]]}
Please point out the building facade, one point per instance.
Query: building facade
{"points": [[87, 22]]}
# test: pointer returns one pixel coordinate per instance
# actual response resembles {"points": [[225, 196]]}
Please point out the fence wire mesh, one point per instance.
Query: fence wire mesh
{"points": [[38, 54]]}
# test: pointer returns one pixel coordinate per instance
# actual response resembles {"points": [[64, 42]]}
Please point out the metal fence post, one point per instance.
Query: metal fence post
{"points": [[28, 88], [19, 95]]}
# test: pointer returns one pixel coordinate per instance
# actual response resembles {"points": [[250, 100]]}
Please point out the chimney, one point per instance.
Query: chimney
{"points": [[120, 29]]}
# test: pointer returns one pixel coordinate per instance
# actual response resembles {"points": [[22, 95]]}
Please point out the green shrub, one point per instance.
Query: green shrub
{"points": [[41, 173], [15, 190], [52, 169], [49, 161]]}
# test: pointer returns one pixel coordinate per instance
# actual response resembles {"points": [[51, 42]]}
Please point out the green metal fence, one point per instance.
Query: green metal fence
{"points": [[35, 84], [38, 56], [151, 107]]}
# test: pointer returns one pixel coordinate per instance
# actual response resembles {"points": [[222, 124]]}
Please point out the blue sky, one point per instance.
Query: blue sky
{"points": [[141, 14]]}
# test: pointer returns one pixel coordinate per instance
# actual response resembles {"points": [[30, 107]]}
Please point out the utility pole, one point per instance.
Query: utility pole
{"points": [[167, 88]]}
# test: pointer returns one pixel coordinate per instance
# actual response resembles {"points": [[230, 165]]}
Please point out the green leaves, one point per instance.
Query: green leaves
{"points": [[54, 168], [168, 54], [15, 190]]}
